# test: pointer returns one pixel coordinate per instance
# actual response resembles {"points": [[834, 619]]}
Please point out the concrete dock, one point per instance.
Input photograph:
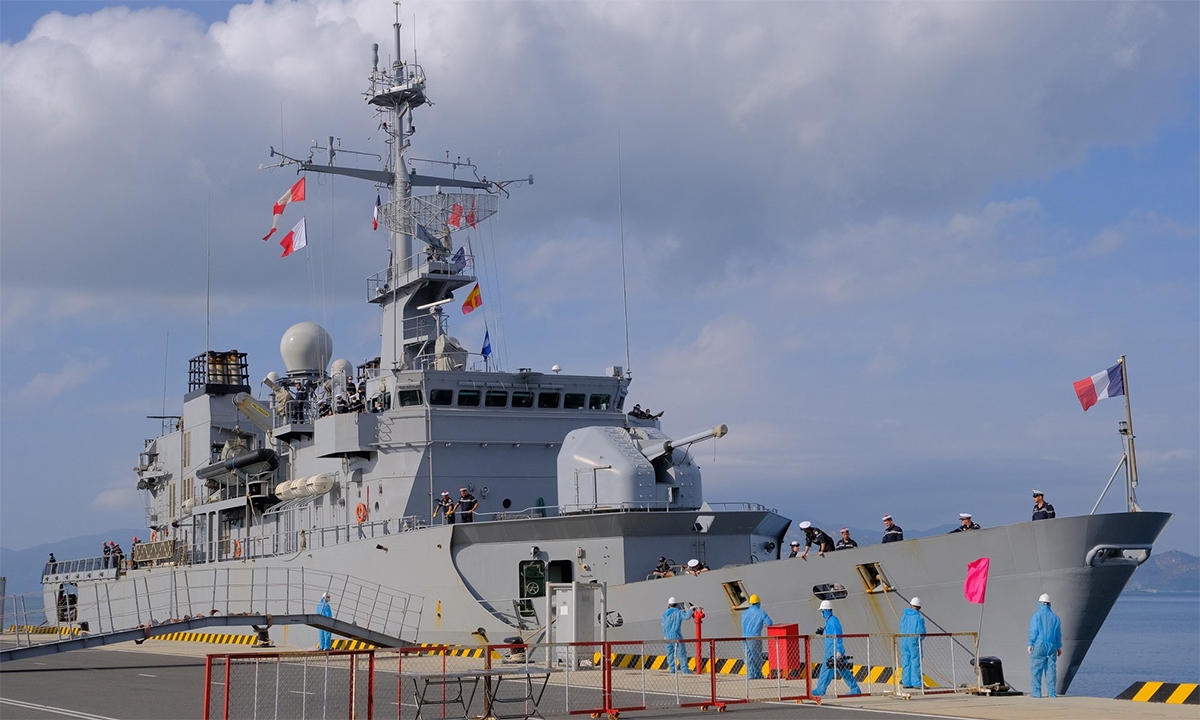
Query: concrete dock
{"points": [[163, 679]]}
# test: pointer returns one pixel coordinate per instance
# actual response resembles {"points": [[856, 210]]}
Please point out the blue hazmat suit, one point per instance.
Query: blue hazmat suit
{"points": [[672, 625], [754, 623], [1045, 641], [325, 641], [911, 623], [835, 650]]}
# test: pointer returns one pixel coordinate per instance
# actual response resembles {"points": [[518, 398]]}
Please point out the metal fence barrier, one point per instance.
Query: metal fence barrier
{"points": [[600, 678]]}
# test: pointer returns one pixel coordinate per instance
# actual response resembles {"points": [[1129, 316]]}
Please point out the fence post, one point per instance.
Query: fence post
{"points": [[207, 686], [371, 685], [808, 666], [226, 712], [353, 671]]}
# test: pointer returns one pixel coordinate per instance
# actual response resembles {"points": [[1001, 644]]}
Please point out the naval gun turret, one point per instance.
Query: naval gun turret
{"points": [[605, 469]]}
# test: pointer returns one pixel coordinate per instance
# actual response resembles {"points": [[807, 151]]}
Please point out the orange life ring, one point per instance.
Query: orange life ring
{"points": [[237, 548], [360, 512]]}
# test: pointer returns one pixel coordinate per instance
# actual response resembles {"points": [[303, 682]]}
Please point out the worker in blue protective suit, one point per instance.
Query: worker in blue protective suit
{"points": [[754, 623], [911, 623], [835, 654], [325, 641], [1045, 645], [672, 625]]}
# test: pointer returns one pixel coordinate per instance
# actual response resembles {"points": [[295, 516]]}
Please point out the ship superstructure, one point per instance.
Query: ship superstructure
{"points": [[339, 469]]}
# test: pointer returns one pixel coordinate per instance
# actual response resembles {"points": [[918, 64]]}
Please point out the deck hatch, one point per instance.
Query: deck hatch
{"points": [[738, 597], [873, 578]]}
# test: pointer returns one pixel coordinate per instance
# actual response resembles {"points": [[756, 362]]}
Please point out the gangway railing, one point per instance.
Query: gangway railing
{"points": [[184, 594]]}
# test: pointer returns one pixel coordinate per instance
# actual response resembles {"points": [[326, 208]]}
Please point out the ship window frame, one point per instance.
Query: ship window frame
{"points": [[469, 397], [830, 591], [522, 398], [409, 397], [441, 397], [739, 598], [874, 578], [544, 399], [574, 401], [600, 401], [495, 398]]}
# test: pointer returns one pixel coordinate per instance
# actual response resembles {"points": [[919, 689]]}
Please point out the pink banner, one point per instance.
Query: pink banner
{"points": [[975, 586]]}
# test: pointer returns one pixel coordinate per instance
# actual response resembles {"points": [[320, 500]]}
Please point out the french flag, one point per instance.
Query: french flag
{"points": [[1099, 386]]}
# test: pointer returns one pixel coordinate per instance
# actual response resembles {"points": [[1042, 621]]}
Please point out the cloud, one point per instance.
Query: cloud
{"points": [[116, 498], [45, 387]]}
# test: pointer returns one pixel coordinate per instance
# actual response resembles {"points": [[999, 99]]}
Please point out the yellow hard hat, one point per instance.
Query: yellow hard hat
{"points": [[753, 599]]}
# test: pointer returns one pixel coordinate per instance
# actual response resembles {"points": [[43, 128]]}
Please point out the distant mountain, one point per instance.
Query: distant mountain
{"points": [[1171, 571], [23, 568]]}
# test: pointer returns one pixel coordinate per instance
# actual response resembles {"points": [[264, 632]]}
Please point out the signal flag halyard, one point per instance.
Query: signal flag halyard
{"points": [[294, 194], [474, 300], [375, 214], [294, 240], [1102, 385]]}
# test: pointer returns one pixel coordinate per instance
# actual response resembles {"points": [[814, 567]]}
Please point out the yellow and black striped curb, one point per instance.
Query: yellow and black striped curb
{"points": [[40, 630], [737, 666], [1161, 692], [214, 638]]}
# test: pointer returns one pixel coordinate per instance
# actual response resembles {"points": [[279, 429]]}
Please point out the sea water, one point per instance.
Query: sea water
{"points": [[1147, 636]]}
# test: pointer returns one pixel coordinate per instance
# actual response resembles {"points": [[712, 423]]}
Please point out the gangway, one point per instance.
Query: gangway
{"points": [[149, 603], [88, 640]]}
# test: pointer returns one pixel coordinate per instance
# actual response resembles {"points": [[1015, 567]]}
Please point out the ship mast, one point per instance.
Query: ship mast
{"points": [[423, 271]]}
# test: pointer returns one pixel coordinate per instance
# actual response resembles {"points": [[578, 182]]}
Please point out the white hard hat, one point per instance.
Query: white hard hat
{"points": [[1045, 598], [325, 595], [805, 525], [671, 600], [693, 562], [826, 605], [915, 602]]}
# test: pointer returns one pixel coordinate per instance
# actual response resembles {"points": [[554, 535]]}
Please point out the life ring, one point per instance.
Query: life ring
{"points": [[237, 548], [360, 512]]}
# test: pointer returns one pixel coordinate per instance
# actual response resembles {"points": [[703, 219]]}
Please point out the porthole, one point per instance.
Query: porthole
{"points": [[829, 591], [506, 504]]}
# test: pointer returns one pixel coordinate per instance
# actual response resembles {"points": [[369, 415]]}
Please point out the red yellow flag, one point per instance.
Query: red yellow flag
{"points": [[474, 300]]}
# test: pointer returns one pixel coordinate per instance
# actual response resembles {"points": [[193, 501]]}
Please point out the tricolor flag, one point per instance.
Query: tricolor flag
{"points": [[474, 300], [294, 194], [375, 215], [295, 239], [1099, 386], [471, 214], [486, 352], [456, 213], [975, 586]]}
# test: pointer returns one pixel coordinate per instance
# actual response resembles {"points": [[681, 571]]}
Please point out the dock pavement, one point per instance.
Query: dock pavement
{"points": [[163, 680]]}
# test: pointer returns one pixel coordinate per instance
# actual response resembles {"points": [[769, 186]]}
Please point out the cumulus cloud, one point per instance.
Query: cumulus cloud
{"points": [[45, 387]]}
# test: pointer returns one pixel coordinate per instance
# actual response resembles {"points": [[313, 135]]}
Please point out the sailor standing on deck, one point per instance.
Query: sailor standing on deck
{"points": [[1045, 645], [817, 536], [325, 641], [672, 626], [967, 523], [754, 623], [795, 549], [845, 542], [1042, 510], [466, 505], [446, 506], [891, 531]]}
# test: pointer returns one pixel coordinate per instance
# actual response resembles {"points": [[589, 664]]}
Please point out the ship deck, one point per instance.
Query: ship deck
{"points": [[165, 679]]}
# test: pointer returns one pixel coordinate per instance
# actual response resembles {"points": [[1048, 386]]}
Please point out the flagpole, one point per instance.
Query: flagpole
{"points": [[1130, 497], [978, 635]]}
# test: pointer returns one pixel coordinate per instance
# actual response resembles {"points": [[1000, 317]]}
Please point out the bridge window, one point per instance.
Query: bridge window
{"points": [[522, 399], [548, 400], [408, 398], [600, 402], [574, 401], [441, 396], [496, 398], [468, 398]]}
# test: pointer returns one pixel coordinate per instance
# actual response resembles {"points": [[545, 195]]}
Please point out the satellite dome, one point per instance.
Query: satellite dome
{"points": [[306, 349], [343, 367]]}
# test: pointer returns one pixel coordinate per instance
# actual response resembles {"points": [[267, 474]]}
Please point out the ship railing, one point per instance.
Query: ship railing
{"points": [[173, 594], [80, 569], [738, 507], [419, 264], [600, 678]]}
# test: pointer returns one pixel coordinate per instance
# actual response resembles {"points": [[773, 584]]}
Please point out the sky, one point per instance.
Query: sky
{"points": [[879, 241]]}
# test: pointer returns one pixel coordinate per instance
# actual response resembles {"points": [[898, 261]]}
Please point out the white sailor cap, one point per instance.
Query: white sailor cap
{"points": [[693, 562], [845, 530], [964, 516], [887, 517], [805, 525], [1038, 492], [796, 543]]}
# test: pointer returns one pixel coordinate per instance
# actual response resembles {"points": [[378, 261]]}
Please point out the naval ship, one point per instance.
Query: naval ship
{"points": [[338, 470]]}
